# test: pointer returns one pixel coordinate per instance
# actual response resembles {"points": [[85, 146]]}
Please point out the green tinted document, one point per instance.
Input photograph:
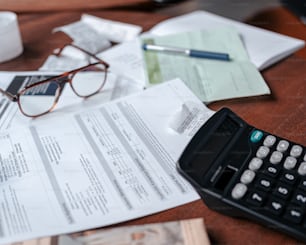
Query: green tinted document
{"points": [[209, 79]]}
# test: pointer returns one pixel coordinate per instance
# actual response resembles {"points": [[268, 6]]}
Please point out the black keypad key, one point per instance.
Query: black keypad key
{"points": [[289, 177], [256, 198], [282, 190], [299, 197], [294, 214], [275, 206], [302, 185], [265, 183], [272, 170]]}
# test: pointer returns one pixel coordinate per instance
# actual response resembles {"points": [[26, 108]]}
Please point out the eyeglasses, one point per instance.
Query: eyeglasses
{"points": [[39, 98]]}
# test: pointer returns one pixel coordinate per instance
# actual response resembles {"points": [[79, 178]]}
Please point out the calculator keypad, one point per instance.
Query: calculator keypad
{"points": [[275, 179]]}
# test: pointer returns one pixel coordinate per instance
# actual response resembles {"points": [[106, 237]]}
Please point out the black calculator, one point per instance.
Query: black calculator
{"points": [[240, 170]]}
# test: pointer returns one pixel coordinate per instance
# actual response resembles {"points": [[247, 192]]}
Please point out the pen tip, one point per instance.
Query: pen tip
{"points": [[144, 46]]}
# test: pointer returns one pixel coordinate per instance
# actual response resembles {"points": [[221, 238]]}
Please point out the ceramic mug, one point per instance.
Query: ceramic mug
{"points": [[10, 38]]}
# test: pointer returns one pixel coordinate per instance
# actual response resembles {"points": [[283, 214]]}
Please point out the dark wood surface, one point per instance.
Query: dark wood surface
{"points": [[282, 113], [26, 6]]}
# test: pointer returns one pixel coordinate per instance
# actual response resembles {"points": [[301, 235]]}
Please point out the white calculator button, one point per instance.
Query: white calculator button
{"points": [[269, 140], [262, 152], [255, 164], [302, 168], [247, 176], [276, 157], [296, 151], [290, 162], [282, 146], [239, 191]]}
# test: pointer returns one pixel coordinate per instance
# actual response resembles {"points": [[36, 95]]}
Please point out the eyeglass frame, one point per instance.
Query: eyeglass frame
{"points": [[57, 79]]}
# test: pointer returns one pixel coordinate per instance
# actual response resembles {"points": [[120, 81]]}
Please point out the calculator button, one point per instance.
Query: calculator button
{"points": [[256, 198], [304, 224], [302, 185], [272, 171], [262, 152], [302, 168], [247, 176], [264, 183], [294, 214], [239, 191], [282, 191], [269, 141], [276, 206], [299, 197], [289, 177], [276, 157], [256, 136], [290, 162], [296, 151], [282, 146], [255, 164]]}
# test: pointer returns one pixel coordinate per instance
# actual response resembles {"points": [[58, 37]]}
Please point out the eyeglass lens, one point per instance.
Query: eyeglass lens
{"points": [[41, 98], [89, 80]]}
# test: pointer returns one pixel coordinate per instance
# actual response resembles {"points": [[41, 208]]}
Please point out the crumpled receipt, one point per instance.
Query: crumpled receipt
{"points": [[189, 118]]}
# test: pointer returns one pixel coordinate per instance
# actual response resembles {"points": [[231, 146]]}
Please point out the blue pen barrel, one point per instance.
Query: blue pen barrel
{"points": [[208, 55]]}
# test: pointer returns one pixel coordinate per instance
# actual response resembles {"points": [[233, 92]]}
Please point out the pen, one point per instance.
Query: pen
{"points": [[187, 52]]}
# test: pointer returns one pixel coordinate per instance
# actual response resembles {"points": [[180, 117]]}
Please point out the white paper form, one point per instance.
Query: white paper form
{"points": [[97, 168], [94, 34], [115, 31], [62, 63], [126, 59], [69, 102], [86, 37], [264, 47]]}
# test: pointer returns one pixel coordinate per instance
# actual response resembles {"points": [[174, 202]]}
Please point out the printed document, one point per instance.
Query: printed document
{"points": [[99, 167], [93, 30], [126, 59], [209, 79], [86, 37]]}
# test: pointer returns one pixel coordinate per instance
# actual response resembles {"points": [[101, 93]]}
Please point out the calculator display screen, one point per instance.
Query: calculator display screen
{"points": [[218, 139]]}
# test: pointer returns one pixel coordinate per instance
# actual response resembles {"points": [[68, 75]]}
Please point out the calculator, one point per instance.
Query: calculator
{"points": [[243, 171]]}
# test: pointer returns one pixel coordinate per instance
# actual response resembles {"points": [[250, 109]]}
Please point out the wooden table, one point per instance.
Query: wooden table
{"points": [[282, 113]]}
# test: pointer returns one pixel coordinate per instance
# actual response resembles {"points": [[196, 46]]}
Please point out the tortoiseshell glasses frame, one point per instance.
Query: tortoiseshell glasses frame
{"points": [[41, 97]]}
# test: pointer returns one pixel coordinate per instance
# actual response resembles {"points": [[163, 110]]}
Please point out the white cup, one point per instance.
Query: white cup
{"points": [[10, 38]]}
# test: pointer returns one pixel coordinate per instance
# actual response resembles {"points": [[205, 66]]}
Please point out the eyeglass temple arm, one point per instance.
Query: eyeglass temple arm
{"points": [[9, 95], [59, 51]]}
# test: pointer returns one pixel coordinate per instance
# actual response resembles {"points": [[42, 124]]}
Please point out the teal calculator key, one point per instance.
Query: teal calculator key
{"points": [[256, 136]]}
